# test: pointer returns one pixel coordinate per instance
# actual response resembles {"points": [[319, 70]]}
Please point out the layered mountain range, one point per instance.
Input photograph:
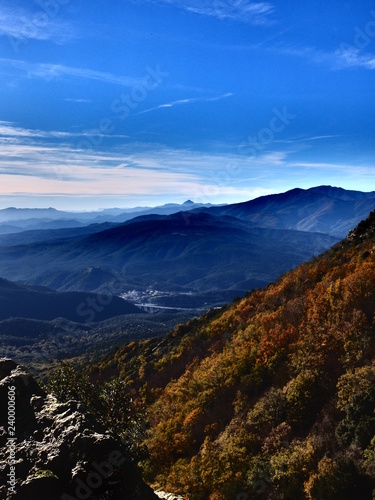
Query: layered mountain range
{"points": [[196, 254]]}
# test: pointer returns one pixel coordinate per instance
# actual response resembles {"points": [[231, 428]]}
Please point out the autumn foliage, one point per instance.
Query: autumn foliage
{"points": [[273, 397]]}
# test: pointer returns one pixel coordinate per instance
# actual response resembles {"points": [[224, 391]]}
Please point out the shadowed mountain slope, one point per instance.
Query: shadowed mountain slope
{"points": [[198, 253], [41, 303]]}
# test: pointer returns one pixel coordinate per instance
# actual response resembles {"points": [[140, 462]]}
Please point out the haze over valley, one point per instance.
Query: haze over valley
{"points": [[196, 256]]}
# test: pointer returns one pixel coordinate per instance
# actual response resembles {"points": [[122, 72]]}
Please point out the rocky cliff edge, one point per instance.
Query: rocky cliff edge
{"points": [[57, 451]]}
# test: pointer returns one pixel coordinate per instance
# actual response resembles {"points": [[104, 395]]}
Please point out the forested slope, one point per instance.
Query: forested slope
{"points": [[272, 397]]}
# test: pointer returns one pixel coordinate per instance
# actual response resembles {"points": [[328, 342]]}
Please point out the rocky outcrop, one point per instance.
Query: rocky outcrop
{"points": [[58, 451], [168, 496], [364, 230]]}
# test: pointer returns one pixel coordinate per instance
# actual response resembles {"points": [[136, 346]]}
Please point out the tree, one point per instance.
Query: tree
{"points": [[110, 403]]}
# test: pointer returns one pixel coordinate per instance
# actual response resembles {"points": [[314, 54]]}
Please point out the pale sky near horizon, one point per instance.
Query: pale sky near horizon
{"points": [[144, 102]]}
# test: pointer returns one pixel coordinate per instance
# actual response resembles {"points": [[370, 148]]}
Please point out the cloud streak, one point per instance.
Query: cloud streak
{"points": [[10, 132], [245, 11], [343, 57], [55, 71], [20, 24], [185, 101], [32, 163], [72, 99], [352, 57]]}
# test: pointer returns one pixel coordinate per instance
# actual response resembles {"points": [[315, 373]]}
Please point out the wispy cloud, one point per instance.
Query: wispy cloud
{"points": [[9, 132], [46, 163], [296, 140], [256, 13], [185, 101], [320, 137], [351, 171], [51, 71], [350, 57], [218, 98], [245, 11], [341, 58], [33, 163], [21, 24], [72, 99]]}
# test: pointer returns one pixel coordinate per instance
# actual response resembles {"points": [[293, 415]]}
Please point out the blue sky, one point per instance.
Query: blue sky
{"points": [[143, 102]]}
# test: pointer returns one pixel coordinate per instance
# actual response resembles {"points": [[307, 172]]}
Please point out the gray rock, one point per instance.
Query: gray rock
{"points": [[60, 451], [168, 496]]}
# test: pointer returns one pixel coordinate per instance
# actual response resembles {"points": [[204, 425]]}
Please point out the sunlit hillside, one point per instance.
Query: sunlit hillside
{"points": [[272, 397]]}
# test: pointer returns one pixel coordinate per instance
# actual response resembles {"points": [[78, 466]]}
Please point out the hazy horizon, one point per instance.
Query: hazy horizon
{"points": [[138, 206]]}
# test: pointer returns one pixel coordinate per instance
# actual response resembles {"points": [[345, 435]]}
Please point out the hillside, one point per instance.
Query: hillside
{"points": [[42, 344], [273, 397], [22, 301], [29, 235]]}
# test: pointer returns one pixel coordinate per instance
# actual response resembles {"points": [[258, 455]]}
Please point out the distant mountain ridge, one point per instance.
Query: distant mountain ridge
{"points": [[18, 219], [324, 209]]}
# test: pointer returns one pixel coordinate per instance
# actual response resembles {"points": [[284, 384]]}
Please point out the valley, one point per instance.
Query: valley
{"points": [[42, 345]]}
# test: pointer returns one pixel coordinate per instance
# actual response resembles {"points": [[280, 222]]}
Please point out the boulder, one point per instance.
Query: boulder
{"points": [[59, 452]]}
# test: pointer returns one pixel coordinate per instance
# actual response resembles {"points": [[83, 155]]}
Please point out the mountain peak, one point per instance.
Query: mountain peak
{"points": [[188, 202]]}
